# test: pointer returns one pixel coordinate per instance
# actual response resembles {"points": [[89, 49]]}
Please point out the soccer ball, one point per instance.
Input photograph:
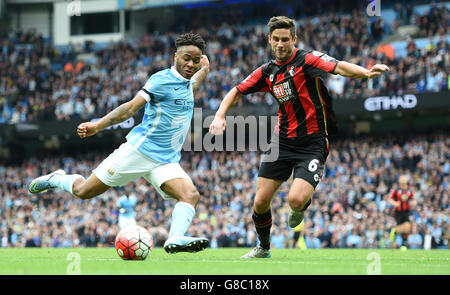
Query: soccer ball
{"points": [[134, 243]]}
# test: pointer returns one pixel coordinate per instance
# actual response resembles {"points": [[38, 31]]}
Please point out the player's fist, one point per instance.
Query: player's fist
{"points": [[218, 125], [87, 129], [204, 62], [376, 70]]}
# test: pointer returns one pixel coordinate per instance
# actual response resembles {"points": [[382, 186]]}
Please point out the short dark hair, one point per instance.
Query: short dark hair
{"points": [[282, 22], [190, 39]]}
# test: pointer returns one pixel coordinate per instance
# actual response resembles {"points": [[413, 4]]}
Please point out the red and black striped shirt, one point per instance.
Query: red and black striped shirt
{"points": [[403, 197], [305, 108]]}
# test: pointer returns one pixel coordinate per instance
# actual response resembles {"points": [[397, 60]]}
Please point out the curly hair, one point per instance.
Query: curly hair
{"points": [[190, 39]]}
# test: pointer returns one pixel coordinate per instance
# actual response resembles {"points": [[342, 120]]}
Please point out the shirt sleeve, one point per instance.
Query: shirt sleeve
{"points": [[392, 197], [318, 63], [152, 88], [255, 82], [133, 200]]}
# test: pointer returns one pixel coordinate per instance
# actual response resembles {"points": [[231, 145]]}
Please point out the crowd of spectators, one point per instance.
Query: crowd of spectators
{"points": [[349, 209], [434, 21], [39, 81]]}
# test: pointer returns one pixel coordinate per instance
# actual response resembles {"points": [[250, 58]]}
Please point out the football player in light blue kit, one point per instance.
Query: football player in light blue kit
{"points": [[153, 147], [126, 204]]}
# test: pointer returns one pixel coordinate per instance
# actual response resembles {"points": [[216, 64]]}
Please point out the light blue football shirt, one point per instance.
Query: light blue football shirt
{"points": [[168, 113], [128, 204]]}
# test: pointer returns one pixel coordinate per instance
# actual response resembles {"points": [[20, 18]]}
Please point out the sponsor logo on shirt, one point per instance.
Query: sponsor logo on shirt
{"points": [[323, 56], [185, 104], [283, 92]]}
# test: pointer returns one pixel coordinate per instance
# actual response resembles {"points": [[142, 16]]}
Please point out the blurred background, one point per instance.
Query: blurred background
{"points": [[65, 62]]}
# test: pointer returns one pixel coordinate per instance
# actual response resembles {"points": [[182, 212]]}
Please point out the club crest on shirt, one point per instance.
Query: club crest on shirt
{"points": [[111, 171], [291, 71]]}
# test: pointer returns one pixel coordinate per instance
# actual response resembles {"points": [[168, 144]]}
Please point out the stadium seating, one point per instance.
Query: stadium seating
{"points": [[351, 198], [41, 82]]}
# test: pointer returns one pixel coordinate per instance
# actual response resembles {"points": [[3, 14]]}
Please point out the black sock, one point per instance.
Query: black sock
{"points": [[306, 205], [263, 223], [405, 239]]}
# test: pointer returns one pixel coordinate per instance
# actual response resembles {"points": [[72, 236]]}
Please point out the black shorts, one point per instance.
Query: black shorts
{"points": [[402, 217], [306, 162]]}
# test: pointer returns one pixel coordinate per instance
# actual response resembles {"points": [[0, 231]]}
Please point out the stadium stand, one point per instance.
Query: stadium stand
{"points": [[351, 199], [39, 82]]}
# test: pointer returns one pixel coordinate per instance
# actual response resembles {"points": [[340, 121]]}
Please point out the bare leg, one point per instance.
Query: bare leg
{"points": [[182, 190], [265, 190], [89, 188], [300, 193], [403, 228]]}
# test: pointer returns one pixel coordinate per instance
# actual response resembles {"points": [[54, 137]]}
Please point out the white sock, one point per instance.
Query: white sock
{"points": [[64, 182], [181, 218]]}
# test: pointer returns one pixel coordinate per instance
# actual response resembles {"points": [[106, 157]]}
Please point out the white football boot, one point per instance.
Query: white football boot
{"points": [[42, 183]]}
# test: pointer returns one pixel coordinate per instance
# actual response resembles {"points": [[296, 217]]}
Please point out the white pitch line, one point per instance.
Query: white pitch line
{"points": [[363, 262]]}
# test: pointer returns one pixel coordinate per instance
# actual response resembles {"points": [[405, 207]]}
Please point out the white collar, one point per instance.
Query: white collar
{"points": [[178, 75]]}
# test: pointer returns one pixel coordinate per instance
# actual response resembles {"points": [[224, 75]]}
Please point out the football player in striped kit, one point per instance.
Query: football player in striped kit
{"points": [[305, 119]]}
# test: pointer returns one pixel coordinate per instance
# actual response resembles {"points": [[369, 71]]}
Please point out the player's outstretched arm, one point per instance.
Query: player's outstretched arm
{"points": [[394, 203], [119, 114], [350, 70], [218, 125], [201, 74]]}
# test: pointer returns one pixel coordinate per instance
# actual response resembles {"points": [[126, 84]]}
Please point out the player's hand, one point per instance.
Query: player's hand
{"points": [[218, 125], [204, 62], [376, 70], [87, 129], [396, 204]]}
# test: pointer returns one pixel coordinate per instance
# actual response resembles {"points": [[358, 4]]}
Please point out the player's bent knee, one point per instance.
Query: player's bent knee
{"points": [[298, 202], [261, 205], [195, 196], [192, 197]]}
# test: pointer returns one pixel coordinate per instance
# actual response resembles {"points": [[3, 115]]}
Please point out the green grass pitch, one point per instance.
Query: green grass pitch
{"points": [[105, 261]]}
